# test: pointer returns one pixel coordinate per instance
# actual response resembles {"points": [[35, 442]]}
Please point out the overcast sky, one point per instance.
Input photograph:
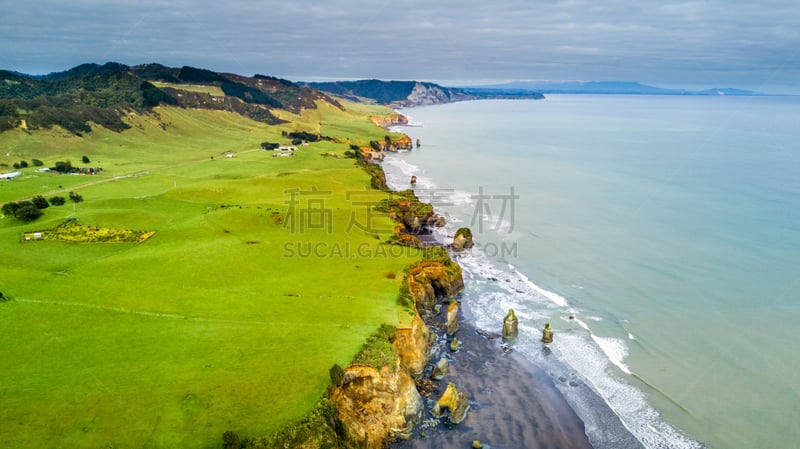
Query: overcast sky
{"points": [[693, 44]]}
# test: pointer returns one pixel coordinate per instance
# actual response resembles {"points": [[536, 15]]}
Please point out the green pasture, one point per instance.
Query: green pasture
{"points": [[203, 89], [228, 318]]}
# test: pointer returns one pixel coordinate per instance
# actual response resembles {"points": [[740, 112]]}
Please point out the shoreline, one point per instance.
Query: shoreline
{"points": [[515, 402]]}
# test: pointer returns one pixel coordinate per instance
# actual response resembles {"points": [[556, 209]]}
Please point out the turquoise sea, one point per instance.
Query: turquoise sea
{"points": [[659, 235]]}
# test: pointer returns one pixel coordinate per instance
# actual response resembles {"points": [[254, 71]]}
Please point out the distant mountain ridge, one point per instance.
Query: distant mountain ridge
{"points": [[608, 87], [105, 94], [411, 93]]}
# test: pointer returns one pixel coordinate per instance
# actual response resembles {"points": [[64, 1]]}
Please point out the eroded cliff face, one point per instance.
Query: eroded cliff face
{"points": [[412, 345], [380, 404], [386, 121], [424, 94], [402, 143], [377, 404], [431, 279]]}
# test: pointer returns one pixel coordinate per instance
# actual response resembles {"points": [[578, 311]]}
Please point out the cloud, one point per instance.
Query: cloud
{"points": [[726, 43]]}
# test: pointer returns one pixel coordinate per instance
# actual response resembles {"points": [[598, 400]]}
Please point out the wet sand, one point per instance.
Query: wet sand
{"points": [[513, 404]]}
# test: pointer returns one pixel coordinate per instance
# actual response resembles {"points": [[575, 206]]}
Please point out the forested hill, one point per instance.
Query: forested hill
{"points": [[104, 94], [413, 93]]}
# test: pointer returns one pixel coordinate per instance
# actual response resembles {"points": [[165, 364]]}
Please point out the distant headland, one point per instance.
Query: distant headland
{"points": [[604, 87]]}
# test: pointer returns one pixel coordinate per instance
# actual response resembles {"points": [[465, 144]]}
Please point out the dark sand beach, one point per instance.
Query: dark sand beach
{"points": [[514, 404]]}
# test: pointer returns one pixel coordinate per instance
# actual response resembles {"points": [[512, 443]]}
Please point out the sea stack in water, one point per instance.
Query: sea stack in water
{"points": [[510, 325], [454, 401], [547, 334], [413, 180], [452, 318], [462, 239]]}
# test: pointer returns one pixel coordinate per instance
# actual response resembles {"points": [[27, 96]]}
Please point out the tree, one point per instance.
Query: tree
{"points": [[269, 145], [63, 167], [23, 164], [58, 200], [37, 162], [337, 375], [27, 211], [10, 209], [85, 159], [230, 440], [40, 202], [75, 198], [16, 165]]}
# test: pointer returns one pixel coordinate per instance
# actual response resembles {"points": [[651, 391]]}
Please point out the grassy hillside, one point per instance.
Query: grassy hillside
{"points": [[213, 323]]}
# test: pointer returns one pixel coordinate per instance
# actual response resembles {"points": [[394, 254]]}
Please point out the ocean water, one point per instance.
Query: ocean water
{"points": [[660, 237]]}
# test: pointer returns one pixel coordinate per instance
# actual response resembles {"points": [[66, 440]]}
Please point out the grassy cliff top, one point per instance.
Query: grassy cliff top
{"points": [[229, 316]]}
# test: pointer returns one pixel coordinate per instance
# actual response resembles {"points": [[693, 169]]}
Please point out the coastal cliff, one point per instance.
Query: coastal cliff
{"points": [[394, 93], [429, 280], [425, 94], [412, 344], [377, 404], [385, 121]]}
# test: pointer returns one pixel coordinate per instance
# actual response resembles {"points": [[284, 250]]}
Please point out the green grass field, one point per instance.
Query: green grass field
{"points": [[203, 89], [220, 321]]}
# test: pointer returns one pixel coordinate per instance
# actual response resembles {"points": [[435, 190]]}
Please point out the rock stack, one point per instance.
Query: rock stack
{"points": [[547, 334], [510, 326], [454, 401]]}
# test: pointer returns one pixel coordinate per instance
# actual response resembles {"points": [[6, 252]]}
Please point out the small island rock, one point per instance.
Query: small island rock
{"points": [[463, 239], [456, 402], [510, 325], [547, 334]]}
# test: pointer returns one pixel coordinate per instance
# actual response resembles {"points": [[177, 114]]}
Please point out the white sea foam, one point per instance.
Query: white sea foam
{"points": [[615, 350], [552, 296], [398, 173]]}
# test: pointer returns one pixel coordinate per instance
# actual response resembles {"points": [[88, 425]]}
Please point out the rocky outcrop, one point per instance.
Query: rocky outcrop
{"points": [[547, 334], [431, 279], [402, 143], [387, 121], [377, 404], [463, 239], [407, 209], [452, 318], [380, 404], [453, 404], [510, 325], [424, 94], [440, 369], [412, 345]]}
